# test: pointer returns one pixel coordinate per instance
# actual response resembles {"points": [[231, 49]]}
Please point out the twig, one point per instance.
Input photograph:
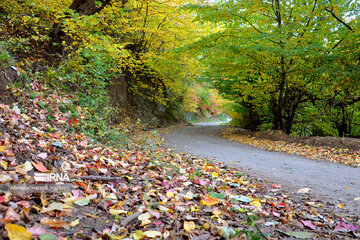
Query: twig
{"points": [[129, 219], [262, 234]]}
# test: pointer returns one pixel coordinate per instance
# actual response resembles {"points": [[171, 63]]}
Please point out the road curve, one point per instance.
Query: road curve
{"points": [[330, 182]]}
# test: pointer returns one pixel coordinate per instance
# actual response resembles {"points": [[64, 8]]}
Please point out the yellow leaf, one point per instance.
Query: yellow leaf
{"points": [[340, 205], [144, 218], [256, 203], [206, 225], [74, 223], [194, 209], [3, 164], [152, 234], [117, 211], [170, 194], [189, 226], [2, 148], [215, 174], [138, 235], [16, 232]]}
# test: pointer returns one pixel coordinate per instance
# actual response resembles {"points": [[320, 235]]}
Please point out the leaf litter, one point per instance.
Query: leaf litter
{"points": [[333, 154], [140, 192]]}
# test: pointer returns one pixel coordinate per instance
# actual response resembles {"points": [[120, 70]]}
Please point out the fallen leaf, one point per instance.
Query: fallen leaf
{"points": [[4, 178], [155, 214], [340, 205], [42, 155], [117, 211], [16, 232], [217, 195], [276, 186], [47, 236], [4, 164], [74, 223], [189, 226], [53, 223], [152, 234], [301, 235], [82, 201], [57, 144], [347, 226], [304, 190], [308, 224], [144, 218], [242, 198], [256, 203], [216, 211], [11, 215], [39, 166], [207, 200], [55, 206], [138, 235], [36, 231], [226, 232]]}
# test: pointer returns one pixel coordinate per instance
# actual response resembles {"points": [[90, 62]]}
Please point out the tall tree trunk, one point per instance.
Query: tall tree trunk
{"points": [[280, 103]]}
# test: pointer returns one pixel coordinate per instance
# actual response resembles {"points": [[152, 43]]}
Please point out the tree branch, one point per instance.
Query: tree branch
{"points": [[338, 19]]}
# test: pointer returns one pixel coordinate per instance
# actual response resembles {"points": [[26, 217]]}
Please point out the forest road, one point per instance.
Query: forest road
{"points": [[331, 183]]}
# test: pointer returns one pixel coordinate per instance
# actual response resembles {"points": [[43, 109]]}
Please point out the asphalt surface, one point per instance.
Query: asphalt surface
{"points": [[331, 183]]}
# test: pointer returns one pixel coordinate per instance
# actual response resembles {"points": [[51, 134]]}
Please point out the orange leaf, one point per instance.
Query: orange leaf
{"points": [[340, 205], [216, 211], [53, 223], [209, 201], [39, 166]]}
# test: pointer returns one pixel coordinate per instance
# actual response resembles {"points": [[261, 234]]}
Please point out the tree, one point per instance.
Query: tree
{"points": [[273, 55]]}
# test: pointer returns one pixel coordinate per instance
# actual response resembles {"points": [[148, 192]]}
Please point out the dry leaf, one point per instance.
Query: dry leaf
{"points": [[144, 218], [189, 226], [16, 232]]}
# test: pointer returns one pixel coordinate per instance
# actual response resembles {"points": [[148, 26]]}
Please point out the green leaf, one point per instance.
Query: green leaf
{"points": [[226, 232], [242, 198], [82, 201], [300, 235], [47, 236], [217, 195]]}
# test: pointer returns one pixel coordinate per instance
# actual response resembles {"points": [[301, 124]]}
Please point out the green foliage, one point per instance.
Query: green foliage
{"points": [[83, 51], [284, 63]]}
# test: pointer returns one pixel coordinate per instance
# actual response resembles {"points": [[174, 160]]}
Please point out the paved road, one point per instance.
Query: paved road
{"points": [[329, 182]]}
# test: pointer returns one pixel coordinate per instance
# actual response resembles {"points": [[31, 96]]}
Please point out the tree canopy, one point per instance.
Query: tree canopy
{"points": [[288, 65]]}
